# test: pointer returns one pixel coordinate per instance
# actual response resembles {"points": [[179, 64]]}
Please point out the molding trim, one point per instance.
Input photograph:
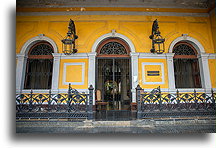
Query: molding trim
{"points": [[39, 91], [112, 13], [74, 83], [113, 34], [147, 55], [152, 56], [212, 55], [74, 56], [200, 49], [25, 48], [143, 73]]}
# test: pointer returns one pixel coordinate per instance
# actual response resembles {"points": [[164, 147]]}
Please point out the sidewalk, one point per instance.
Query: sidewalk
{"points": [[134, 126]]}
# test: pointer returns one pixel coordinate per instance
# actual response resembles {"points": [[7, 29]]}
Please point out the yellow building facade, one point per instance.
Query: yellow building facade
{"points": [[94, 25]]}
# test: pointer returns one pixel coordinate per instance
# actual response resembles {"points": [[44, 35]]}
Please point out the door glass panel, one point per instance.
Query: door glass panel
{"points": [[113, 81]]}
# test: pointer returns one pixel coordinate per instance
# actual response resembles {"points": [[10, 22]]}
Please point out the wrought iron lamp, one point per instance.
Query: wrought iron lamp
{"points": [[157, 39], [68, 43]]}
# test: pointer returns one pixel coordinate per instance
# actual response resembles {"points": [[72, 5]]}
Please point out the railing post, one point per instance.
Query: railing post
{"points": [[195, 99], [40, 102], [178, 100], [213, 99], [58, 102], [138, 98], [21, 102], [159, 97], [30, 101], [49, 101], [69, 98], [90, 103]]}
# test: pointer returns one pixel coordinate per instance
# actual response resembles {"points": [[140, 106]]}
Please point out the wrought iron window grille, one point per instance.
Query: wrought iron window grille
{"points": [[113, 48], [183, 49]]}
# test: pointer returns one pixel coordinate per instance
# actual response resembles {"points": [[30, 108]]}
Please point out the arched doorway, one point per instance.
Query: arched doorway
{"points": [[113, 75]]}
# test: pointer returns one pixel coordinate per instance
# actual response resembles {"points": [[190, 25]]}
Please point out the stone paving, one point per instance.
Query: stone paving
{"points": [[147, 126]]}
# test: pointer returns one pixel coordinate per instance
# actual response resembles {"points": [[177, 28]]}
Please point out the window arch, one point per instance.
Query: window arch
{"points": [[39, 66], [113, 47], [186, 66]]}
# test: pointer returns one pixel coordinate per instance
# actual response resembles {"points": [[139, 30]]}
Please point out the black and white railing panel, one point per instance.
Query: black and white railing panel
{"points": [[64, 105], [160, 104]]}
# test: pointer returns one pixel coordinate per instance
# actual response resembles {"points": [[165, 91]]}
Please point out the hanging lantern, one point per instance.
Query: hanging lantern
{"points": [[68, 43], [157, 39]]}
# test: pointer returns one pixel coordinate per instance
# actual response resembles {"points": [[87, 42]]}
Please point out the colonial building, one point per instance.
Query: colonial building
{"points": [[121, 43]]}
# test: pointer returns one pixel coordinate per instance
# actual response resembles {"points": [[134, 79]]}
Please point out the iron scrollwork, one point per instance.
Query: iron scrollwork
{"points": [[113, 48], [157, 104], [64, 105], [183, 49]]}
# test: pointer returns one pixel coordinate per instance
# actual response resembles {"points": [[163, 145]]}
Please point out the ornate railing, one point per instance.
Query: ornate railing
{"points": [[69, 105], [157, 104]]}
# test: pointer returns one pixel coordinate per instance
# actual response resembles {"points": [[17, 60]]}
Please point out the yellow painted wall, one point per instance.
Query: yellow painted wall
{"points": [[137, 28], [153, 68], [213, 27], [73, 73], [212, 68]]}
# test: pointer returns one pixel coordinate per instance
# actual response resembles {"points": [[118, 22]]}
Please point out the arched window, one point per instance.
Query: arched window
{"points": [[39, 67], [186, 66], [113, 47]]}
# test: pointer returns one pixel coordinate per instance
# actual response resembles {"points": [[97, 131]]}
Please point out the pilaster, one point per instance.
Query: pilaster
{"points": [[170, 68], [20, 72], [134, 70], [204, 71], [91, 71], [55, 73]]}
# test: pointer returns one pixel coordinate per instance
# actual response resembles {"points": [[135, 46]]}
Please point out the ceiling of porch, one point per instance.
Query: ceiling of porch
{"points": [[187, 4]]}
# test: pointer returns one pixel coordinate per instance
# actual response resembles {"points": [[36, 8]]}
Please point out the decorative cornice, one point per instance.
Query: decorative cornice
{"points": [[169, 55], [92, 54], [203, 55], [74, 56], [151, 55], [21, 56], [212, 55], [112, 13], [134, 54]]}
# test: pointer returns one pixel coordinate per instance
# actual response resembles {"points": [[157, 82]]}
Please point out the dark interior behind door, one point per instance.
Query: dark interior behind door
{"points": [[113, 81]]}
